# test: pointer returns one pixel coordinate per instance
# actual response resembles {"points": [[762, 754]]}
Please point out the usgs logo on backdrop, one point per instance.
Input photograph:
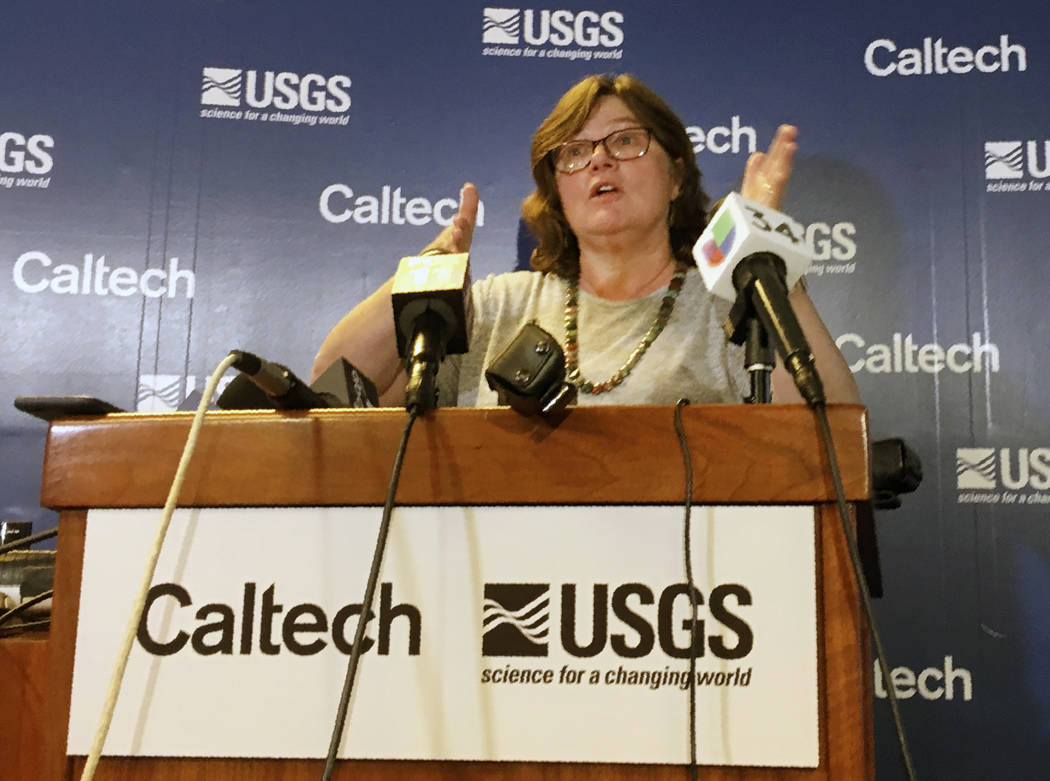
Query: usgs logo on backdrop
{"points": [[834, 248], [547, 34], [269, 96], [25, 158], [1016, 166], [986, 475], [167, 392], [883, 58]]}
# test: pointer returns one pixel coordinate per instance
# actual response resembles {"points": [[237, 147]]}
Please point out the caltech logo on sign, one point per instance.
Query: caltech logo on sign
{"points": [[1011, 160], [259, 623], [340, 203], [722, 139], [933, 58], [35, 272], [516, 620], [1024, 473], [903, 355]]}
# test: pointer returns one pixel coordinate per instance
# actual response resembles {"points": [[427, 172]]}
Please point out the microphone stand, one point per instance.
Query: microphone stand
{"points": [[759, 360], [743, 326]]}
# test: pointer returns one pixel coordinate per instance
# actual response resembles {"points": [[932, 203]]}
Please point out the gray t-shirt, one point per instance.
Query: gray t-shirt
{"points": [[689, 359]]}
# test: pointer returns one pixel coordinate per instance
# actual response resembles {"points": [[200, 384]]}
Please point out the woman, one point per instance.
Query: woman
{"points": [[617, 209]]}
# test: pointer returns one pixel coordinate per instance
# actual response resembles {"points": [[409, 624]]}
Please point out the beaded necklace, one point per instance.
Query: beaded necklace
{"points": [[571, 332]]}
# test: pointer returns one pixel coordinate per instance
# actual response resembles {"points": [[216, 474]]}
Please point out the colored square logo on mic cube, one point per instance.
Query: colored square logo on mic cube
{"points": [[723, 232]]}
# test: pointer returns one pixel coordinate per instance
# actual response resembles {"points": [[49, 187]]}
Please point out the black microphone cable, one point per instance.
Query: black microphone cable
{"points": [[414, 411], [858, 575], [687, 543], [763, 276], [862, 585]]}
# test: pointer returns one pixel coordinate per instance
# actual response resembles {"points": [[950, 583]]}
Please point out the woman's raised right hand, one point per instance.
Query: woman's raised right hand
{"points": [[457, 236]]}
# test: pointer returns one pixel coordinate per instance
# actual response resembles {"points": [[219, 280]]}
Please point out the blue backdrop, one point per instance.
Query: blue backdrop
{"points": [[177, 180]]}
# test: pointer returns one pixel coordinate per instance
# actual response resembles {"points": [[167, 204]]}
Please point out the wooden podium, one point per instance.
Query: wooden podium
{"points": [[741, 455]]}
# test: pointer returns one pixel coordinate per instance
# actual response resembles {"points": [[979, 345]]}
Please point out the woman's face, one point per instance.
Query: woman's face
{"points": [[618, 200]]}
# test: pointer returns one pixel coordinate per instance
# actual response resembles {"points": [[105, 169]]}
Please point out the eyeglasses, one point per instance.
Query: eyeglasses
{"points": [[625, 144]]}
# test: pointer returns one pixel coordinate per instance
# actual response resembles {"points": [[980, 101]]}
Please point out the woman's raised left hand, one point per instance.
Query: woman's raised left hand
{"points": [[767, 173]]}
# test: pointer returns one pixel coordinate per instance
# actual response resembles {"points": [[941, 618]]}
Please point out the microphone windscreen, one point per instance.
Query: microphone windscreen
{"points": [[740, 228], [439, 283]]}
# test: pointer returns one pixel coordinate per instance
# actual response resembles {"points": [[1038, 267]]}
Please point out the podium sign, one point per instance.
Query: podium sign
{"points": [[299, 572], [539, 634]]}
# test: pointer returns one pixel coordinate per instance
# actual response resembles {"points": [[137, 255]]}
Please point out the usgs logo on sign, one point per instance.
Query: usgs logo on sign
{"points": [[1005, 162], [631, 618], [282, 90], [20, 154], [557, 28], [1013, 468], [986, 475]]}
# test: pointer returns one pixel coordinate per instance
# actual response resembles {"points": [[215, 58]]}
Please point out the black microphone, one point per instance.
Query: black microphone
{"points": [[529, 375], [283, 389], [751, 254], [432, 318], [760, 277]]}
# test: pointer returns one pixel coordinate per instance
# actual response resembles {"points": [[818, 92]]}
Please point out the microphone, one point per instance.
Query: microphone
{"points": [[752, 255], [432, 318], [341, 385], [529, 375], [282, 388]]}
